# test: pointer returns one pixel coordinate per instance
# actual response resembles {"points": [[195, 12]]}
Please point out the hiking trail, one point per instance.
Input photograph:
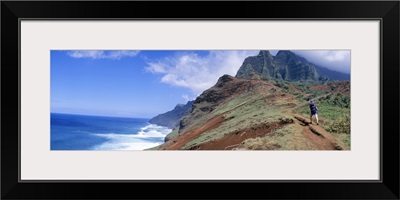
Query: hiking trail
{"points": [[317, 135]]}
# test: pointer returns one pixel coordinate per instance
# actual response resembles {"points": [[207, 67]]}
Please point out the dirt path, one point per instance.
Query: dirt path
{"points": [[317, 135], [314, 133], [180, 140], [232, 140]]}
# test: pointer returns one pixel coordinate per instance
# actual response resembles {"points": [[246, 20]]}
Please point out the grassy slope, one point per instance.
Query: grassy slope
{"points": [[249, 109], [244, 111], [334, 117], [289, 137], [333, 113]]}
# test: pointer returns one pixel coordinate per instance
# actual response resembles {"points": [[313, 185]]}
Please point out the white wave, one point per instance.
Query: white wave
{"points": [[153, 130], [148, 136], [124, 142]]}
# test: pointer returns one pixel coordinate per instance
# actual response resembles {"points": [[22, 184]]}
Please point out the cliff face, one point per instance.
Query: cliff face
{"points": [[286, 66], [172, 118]]}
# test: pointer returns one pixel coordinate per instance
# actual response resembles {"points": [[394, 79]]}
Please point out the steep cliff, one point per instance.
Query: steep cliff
{"points": [[172, 118], [287, 66]]}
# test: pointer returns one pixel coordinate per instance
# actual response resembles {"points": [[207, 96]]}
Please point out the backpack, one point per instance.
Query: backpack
{"points": [[313, 108]]}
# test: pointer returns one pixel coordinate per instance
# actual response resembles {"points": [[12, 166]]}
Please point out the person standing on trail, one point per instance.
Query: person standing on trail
{"points": [[314, 111]]}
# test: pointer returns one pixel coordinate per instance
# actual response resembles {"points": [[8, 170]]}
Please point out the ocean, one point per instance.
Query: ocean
{"points": [[81, 132]]}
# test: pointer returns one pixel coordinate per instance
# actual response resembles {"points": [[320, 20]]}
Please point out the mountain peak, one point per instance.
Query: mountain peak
{"points": [[282, 53], [223, 80], [264, 53], [286, 65]]}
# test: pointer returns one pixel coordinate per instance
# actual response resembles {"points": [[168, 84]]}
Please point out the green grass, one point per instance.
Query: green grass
{"points": [[283, 131], [289, 137], [340, 125], [243, 112], [174, 133], [249, 109], [344, 138], [333, 113], [302, 87], [326, 111]]}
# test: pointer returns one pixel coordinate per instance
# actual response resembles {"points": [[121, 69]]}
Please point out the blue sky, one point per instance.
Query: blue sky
{"points": [[146, 83]]}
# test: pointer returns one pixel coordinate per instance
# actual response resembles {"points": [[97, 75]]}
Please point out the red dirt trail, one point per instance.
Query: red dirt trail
{"points": [[180, 140], [318, 136], [232, 140]]}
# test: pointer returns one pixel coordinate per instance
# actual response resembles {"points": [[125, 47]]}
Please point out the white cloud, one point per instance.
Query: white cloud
{"points": [[196, 72], [332, 56], [157, 67], [339, 56], [186, 97], [102, 54], [337, 60]]}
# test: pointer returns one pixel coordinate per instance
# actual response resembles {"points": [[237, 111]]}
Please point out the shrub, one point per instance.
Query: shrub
{"points": [[310, 97], [340, 125]]}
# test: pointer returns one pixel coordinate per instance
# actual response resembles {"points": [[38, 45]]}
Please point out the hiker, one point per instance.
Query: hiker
{"points": [[314, 111]]}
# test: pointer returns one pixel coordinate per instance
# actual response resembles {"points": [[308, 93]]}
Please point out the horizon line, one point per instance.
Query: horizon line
{"points": [[93, 115]]}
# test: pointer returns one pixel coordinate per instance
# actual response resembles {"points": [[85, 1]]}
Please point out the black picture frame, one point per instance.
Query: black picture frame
{"points": [[386, 11]]}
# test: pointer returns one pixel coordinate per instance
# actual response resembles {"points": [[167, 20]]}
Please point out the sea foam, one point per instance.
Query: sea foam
{"points": [[149, 136]]}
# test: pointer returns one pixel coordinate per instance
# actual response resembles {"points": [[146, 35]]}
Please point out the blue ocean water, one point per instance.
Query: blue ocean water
{"points": [[80, 132]]}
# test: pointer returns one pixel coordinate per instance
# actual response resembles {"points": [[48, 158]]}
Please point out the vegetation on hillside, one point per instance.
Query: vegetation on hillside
{"points": [[333, 113], [172, 118], [266, 107], [286, 65]]}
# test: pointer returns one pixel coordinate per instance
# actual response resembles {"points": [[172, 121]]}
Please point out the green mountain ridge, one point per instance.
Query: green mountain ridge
{"points": [[243, 114], [265, 107], [172, 118], [287, 66]]}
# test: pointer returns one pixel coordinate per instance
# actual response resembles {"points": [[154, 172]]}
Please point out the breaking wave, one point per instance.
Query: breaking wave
{"points": [[149, 136]]}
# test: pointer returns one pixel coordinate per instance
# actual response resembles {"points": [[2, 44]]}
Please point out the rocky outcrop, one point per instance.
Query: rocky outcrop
{"points": [[285, 66], [172, 118]]}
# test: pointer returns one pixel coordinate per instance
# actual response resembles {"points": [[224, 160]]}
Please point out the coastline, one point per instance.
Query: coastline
{"points": [[98, 133]]}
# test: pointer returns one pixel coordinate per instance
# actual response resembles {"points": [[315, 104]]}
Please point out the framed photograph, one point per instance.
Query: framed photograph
{"points": [[199, 98]]}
